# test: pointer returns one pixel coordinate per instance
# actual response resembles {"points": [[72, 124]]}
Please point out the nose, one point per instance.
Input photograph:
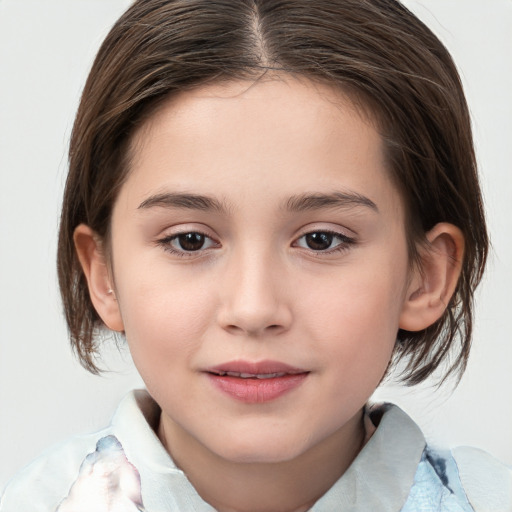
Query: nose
{"points": [[255, 297]]}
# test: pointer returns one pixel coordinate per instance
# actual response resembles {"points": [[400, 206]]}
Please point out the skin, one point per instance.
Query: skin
{"points": [[257, 289]]}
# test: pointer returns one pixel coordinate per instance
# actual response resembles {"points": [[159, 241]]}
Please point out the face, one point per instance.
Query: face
{"points": [[260, 265]]}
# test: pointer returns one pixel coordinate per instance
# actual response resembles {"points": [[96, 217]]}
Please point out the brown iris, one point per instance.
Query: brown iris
{"points": [[319, 241], [191, 241]]}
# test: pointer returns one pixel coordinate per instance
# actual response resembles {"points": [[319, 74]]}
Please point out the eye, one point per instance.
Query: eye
{"points": [[324, 241], [189, 242]]}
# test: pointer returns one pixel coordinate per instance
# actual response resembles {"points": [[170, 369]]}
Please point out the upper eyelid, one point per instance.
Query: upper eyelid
{"points": [[319, 228], [345, 238], [315, 227], [330, 231], [186, 232], [301, 233], [172, 231], [166, 237]]}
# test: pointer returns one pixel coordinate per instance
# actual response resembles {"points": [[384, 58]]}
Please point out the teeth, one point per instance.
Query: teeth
{"points": [[250, 375]]}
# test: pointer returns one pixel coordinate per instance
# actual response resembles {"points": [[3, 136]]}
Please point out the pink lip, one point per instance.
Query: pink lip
{"points": [[262, 385]]}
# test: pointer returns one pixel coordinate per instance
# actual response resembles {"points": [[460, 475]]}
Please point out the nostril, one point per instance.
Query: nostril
{"points": [[234, 328]]}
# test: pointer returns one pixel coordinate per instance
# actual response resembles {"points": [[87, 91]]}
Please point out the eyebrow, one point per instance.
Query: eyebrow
{"points": [[298, 203], [185, 201], [317, 201]]}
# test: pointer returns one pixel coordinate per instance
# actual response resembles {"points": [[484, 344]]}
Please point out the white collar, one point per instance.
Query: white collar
{"points": [[380, 478]]}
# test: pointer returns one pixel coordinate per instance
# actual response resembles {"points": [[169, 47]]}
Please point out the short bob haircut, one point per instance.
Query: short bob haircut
{"points": [[376, 51]]}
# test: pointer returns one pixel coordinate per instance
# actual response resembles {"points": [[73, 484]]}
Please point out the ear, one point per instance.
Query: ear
{"points": [[432, 286], [101, 290]]}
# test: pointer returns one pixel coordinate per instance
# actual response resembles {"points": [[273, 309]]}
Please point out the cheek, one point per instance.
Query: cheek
{"points": [[356, 318], [164, 317]]}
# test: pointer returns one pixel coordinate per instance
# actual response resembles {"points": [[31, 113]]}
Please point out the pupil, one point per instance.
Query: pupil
{"points": [[319, 241], [191, 241]]}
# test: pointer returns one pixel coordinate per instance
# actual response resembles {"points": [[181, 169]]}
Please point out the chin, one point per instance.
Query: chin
{"points": [[264, 450]]}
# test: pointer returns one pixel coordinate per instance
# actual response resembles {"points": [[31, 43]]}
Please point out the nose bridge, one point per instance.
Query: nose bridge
{"points": [[254, 300]]}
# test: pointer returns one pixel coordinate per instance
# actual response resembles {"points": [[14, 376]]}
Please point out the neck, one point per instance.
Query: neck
{"points": [[288, 486]]}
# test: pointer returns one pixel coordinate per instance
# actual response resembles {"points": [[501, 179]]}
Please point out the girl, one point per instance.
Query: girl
{"points": [[275, 203]]}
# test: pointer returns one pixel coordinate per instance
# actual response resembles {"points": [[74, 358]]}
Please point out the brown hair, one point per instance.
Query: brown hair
{"points": [[375, 49]]}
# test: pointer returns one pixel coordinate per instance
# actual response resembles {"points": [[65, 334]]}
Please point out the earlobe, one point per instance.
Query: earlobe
{"points": [[431, 287], [94, 265]]}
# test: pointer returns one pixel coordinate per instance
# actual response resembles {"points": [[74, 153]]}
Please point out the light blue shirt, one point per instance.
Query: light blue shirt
{"points": [[125, 468]]}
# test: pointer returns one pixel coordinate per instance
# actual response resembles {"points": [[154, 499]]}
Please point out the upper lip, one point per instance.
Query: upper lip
{"points": [[255, 368]]}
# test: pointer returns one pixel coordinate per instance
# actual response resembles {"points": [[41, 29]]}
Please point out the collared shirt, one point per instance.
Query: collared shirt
{"points": [[125, 468]]}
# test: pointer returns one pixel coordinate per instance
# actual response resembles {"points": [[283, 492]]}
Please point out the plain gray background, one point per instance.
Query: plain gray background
{"points": [[46, 48]]}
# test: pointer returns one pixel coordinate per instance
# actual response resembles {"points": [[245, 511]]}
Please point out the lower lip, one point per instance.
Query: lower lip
{"points": [[254, 391]]}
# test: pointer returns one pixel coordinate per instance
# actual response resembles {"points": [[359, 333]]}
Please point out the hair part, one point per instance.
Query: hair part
{"points": [[376, 51]]}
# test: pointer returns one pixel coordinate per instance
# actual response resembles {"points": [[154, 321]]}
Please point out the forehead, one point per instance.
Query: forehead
{"points": [[294, 104], [290, 134]]}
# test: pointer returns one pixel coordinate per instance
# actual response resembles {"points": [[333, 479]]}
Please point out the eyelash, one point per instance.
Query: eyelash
{"points": [[344, 242], [167, 241]]}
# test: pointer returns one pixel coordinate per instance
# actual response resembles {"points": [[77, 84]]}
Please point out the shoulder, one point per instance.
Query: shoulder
{"points": [[486, 481], [42, 485], [460, 480], [95, 472]]}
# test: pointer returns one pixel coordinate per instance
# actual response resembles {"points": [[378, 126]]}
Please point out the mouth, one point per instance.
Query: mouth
{"points": [[256, 382], [221, 373]]}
